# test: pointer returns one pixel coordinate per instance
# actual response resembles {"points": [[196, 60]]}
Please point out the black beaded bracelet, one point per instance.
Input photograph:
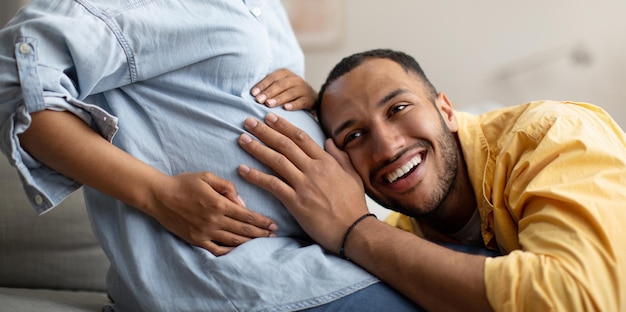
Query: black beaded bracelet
{"points": [[343, 243]]}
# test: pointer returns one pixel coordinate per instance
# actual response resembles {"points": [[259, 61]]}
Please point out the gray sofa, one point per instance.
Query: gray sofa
{"points": [[50, 262]]}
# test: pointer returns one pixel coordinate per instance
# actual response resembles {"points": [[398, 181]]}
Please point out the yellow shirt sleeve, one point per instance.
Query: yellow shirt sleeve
{"points": [[559, 202], [402, 222]]}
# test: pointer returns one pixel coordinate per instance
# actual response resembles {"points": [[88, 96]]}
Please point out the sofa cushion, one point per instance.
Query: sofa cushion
{"points": [[56, 250], [37, 300]]}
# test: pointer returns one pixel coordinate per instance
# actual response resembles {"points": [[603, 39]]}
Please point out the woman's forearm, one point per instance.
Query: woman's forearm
{"points": [[63, 142]]}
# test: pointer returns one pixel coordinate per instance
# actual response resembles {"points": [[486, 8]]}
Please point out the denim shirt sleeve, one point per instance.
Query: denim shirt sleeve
{"points": [[32, 81]]}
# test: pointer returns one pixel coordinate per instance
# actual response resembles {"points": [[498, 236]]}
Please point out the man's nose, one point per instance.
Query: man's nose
{"points": [[387, 142]]}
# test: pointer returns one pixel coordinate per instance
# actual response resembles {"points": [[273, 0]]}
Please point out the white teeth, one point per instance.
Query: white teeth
{"points": [[392, 177]]}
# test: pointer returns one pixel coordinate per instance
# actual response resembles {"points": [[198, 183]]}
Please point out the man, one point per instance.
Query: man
{"points": [[543, 183]]}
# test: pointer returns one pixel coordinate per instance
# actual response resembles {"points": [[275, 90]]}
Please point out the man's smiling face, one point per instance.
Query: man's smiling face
{"points": [[398, 140]]}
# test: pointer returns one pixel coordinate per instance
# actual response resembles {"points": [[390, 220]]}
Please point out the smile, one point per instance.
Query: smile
{"points": [[404, 170]]}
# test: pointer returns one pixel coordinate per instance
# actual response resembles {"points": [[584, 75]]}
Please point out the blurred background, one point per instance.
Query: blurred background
{"points": [[483, 53], [487, 53]]}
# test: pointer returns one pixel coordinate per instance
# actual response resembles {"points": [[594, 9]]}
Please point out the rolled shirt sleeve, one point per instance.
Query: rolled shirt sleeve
{"points": [[33, 77]]}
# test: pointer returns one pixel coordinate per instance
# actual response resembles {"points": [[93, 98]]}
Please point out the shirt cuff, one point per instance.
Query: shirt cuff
{"points": [[45, 187]]}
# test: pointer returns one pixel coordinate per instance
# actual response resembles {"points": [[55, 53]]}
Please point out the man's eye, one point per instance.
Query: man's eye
{"points": [[351, 137], [397, 108]]}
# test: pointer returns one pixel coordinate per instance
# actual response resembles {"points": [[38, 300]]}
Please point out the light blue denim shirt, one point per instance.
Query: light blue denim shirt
{"points": [[168, 82]]}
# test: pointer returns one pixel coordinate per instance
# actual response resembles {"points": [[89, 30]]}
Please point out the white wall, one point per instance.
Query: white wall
{"points": [[488, 51]]}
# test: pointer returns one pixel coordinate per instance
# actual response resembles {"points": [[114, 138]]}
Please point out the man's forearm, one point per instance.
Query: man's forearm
{"points": [[65, 143], [437, 278]]}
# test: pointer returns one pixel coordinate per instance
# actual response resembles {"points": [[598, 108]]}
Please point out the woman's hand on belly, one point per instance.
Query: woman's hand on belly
{"points": [[206, 211]]}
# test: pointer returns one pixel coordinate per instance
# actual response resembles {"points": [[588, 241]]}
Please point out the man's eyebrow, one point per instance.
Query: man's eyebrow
{"points": [[380, 103], [342, 127], [390, 96]]}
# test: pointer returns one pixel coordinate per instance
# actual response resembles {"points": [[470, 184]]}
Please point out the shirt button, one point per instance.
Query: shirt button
{"points": [[38, 200], [257, 11], [24, 48]]}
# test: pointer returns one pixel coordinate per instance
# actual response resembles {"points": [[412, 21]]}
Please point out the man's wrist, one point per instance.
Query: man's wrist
{"points": [[342, 251]]}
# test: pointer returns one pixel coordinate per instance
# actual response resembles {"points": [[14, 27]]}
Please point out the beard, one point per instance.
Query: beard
{"points": [[445, 186]]}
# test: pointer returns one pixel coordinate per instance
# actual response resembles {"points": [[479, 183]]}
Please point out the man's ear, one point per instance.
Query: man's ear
{"points": [[447, 111]]}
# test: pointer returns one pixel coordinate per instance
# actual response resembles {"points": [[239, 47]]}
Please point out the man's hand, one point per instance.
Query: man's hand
{"points": [[206, 211], [323, 193], [283, 87]]}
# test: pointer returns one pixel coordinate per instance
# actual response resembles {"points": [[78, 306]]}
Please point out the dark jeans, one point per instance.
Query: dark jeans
{"points": [[380, 297], [374, 298]]}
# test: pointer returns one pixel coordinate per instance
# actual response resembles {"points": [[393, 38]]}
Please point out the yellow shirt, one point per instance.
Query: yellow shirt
{"points": [[550, 182]]}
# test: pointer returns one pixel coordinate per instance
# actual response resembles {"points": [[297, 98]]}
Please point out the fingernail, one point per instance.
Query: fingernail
{"points": [[245, 139], [271, 118], [272, 235], [243, 203], [273, 227], [244, 168], [288, 106], [261, 98], [250, 122], [255, 91], [271, 102]]}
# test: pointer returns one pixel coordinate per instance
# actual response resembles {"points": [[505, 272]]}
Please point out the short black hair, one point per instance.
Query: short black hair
{"points": [[408, 63]]}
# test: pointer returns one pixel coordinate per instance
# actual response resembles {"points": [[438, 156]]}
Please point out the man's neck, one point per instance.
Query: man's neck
{"points": [[458, 207]]}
